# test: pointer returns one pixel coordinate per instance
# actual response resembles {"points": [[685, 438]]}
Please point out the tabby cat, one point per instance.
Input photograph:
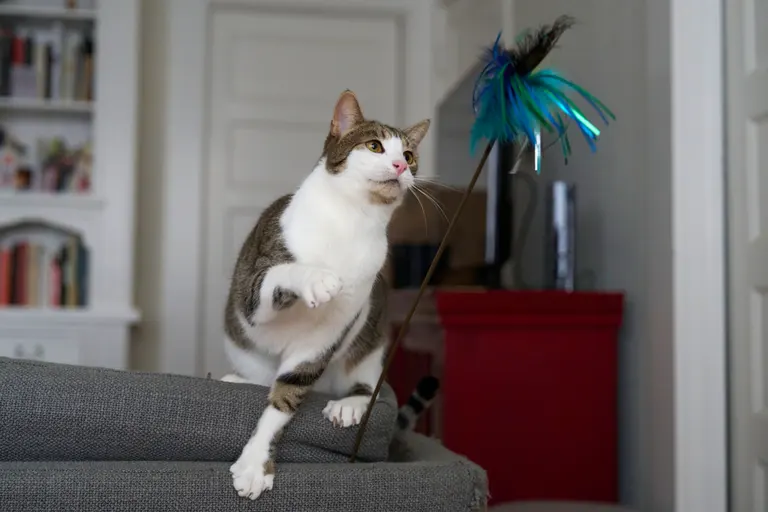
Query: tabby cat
{"points": [[306, 303]]}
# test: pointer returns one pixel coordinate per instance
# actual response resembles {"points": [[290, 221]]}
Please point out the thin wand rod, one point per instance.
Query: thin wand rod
{"points": [[424, 283]]}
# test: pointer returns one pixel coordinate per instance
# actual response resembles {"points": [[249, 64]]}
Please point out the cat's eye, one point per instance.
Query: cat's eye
{"points": [[374, 146], [408, 157]]}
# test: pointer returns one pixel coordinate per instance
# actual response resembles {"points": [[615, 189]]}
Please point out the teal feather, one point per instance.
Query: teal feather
{"points": [[515, 102]]}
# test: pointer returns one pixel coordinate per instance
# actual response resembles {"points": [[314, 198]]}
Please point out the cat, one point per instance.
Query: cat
{"points": [[306, 305]]}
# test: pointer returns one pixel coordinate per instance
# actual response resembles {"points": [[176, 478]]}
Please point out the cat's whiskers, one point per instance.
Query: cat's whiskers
{"points": [[423, 211], [431, 199], [435, 181]]}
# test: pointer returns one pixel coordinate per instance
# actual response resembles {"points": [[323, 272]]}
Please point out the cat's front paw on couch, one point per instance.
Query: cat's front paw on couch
{"points": [[252, 475], [347, 411]]}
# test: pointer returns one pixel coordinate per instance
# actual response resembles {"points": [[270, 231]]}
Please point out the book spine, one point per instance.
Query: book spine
{"points": [[12, 269], [5, 276], [63, 262], [72, 264], [6, 61], [57, 47], [20, 276], [41, 69], [54, 283], [29, 46], [82, 275], [17, 65], [32, 270], [69, 61], [89, 62], [49, 71]]}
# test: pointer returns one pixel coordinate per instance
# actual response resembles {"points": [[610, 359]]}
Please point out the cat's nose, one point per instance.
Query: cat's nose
{"points": [[400, 166]]}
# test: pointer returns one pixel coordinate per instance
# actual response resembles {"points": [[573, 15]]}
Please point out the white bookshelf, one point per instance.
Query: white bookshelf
{"points": [[38, 323], [46, 106]]}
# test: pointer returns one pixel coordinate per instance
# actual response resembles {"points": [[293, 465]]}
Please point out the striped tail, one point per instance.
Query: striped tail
{"points": [[419, 401]]}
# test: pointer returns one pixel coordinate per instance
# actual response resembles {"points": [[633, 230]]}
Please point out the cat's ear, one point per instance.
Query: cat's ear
{"points": [[417, 131], [346, 115]]}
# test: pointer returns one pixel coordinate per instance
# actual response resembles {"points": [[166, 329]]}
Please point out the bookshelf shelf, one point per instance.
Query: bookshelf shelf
{"points": [[34, 105], [51, 200], [46, 13], [21, 315]]}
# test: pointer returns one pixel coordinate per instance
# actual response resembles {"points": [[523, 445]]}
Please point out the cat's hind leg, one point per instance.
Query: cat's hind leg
{"points": [[358, 383], [249, 365]]}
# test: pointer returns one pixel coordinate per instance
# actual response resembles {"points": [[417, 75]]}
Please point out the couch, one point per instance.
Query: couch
{"points": [[93, 439]]}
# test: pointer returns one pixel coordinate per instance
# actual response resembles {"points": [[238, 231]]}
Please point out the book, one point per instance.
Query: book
{"points": [[54, 283], [6, 281], [20, 274], [31, 275]]}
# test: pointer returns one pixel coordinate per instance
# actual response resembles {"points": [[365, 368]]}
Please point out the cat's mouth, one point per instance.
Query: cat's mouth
{"points": [[385, 191], [392, 182]]}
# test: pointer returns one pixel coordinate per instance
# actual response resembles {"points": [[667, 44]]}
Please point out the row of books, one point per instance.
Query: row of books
{"points": [[47, 64], [31, 276]]}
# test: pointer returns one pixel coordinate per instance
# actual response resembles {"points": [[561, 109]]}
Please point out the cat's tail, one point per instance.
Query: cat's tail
{"points": [[419, 401]]}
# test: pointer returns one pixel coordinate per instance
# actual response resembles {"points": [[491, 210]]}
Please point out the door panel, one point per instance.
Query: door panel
{"points": [[274, 79], [747, 107]]}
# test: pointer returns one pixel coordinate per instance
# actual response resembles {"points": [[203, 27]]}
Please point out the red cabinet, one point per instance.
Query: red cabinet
{"points": [[529, 390]]}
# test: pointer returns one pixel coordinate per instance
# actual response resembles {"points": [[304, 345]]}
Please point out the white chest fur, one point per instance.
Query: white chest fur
{"points": [[324, 228]]}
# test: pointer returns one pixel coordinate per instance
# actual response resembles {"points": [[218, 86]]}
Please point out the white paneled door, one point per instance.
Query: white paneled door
{"points": [[747, 107], [274, 78]]}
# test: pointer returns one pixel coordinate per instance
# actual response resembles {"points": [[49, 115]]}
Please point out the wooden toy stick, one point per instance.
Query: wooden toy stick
{"points": [[422, 289]]}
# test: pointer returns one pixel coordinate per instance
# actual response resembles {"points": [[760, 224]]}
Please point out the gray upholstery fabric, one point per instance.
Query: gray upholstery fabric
{"points": [[74, 413], [422, 476]]}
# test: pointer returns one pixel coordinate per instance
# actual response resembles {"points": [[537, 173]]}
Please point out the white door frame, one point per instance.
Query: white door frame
{"points": [[186, 142], [698, 252]]}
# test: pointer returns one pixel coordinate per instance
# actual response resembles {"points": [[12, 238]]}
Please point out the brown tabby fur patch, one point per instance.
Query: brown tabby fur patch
{"points": [[292, 387], [373, 333], [361, 390], [263, 248]]}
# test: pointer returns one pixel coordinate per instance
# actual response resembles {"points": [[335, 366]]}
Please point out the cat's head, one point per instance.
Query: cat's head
{"points": [[369, 158]]}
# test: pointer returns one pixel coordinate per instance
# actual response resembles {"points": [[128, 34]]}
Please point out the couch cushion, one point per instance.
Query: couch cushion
{"points": [[423, 476], [120, 415]]}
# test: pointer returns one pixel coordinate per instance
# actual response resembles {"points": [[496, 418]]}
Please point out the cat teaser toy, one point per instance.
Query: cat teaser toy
{"points": [[513, 102]]}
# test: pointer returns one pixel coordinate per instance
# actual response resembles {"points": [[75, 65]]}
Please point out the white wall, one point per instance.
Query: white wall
{"points": [[461, 30], [620, 52]]}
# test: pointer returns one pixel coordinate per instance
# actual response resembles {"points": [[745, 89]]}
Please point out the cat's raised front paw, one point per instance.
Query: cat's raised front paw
{"points": [[347, 411], [319, 287], [250, 478]]}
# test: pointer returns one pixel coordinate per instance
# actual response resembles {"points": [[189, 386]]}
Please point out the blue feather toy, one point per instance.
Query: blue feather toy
{"points": [[514, 101]]}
